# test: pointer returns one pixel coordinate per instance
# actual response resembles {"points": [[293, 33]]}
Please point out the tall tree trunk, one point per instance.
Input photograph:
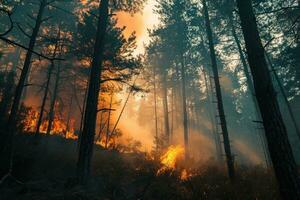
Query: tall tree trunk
{"points": [[177, 96], [280, 150], [172, 113], [82, 117], [89, 125], [108, 120], [249, 84], [101, 126], [53, 100], [285, 98], [39, 123], [6, 144], [155, 108], [184, 109], [227, 148], [51, 67], [210, 93], [69, 114], [213, 122], [165, 105]]}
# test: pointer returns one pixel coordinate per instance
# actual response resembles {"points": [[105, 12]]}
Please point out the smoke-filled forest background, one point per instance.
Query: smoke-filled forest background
{"points": [[157, 99]]}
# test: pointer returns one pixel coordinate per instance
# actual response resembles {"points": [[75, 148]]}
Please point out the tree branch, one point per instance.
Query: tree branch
{"points": [[105, 110], [10, 21], [23, 47]]}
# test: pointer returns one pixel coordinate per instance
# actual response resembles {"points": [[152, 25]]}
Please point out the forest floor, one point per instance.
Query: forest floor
{"points": [[46, 171]]}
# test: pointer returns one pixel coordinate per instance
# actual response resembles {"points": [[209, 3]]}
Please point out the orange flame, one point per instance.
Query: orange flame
{"points": [[170, 160], [59, 127], [172, 155]]}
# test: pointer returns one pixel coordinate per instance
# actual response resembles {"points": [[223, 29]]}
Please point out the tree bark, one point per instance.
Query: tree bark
{"points": [[280, 150], [89, 125], [227, 148], [6, 145]]}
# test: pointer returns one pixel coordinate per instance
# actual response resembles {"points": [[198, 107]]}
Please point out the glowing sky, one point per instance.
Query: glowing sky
{"points": [[139, 23]]}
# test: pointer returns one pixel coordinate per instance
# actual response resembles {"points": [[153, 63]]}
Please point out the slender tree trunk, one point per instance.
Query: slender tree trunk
{"points": [[165, 105], [227, 148], [250, 85], [155, 108], [280, 150], [39, 123], [210, 94], [6, 145], [89, 125], [69, 113], [51, 67], [178, 99], [184, 109], [213, 122], [108, 120], [285, 98], [172, 114], [82, 117], [98, 137], [53, 100]]}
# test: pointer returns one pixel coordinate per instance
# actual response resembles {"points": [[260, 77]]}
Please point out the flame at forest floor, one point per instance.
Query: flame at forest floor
{"points": [[59, 127], [170, 161], [64, 129]]}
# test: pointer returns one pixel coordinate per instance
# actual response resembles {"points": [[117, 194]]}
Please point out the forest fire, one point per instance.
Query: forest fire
{"points": [[59, 127], [149, 99], [171, 157], [170, 161]]}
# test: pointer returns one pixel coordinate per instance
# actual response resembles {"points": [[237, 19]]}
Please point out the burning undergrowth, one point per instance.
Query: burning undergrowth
{"points": [[173, 160], [59, 126], [106, 138], [170, 159], [127, 175]]}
